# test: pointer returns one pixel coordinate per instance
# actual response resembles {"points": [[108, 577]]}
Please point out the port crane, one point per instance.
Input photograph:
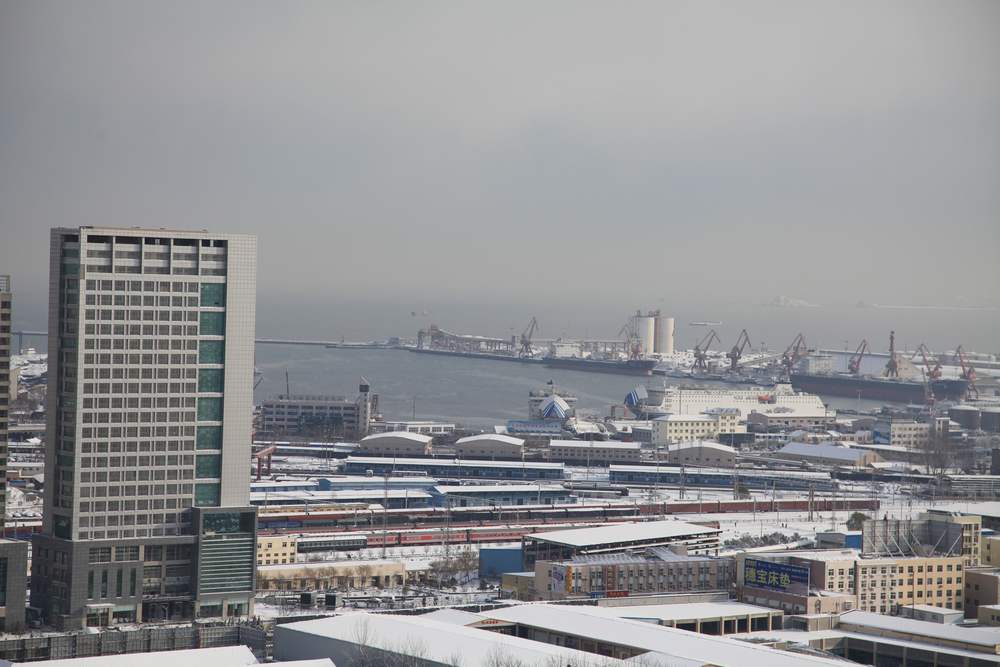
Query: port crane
{"points": [[854, 363], [742, 343], [892, 366], [701, 350], [526, 351], [794, 353], [633, 344], [968, 372], [925, 353]]}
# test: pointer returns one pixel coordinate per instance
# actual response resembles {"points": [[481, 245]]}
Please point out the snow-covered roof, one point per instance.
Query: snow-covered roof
{"points": [[401, 435], [707, 444], [593, 444], [822, 450], [683, 611], [683, 418], [491, 437], [622, 532], [464, 463], [436, 641], [681, 644], [223, 656], [498, 488], [980, 636]]}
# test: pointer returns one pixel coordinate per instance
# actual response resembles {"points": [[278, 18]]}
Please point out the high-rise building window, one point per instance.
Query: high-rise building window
{"points": [[206, 495], [213, 295], [209, 409], [212, 324], [211, 352], [208, 466], [209, 437], [210, 380]]}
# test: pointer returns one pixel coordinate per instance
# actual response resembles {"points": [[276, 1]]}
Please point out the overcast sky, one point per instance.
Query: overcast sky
{"points": [[512, 153]]}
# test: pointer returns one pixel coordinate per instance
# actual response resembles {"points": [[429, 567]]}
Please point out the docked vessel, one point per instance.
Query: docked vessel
{"points": [[894, 390], [619, 366], [651, 402], [494, 356]]}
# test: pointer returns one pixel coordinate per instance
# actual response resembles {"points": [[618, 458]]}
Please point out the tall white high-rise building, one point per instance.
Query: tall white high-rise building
{"points": [[147, 514]]}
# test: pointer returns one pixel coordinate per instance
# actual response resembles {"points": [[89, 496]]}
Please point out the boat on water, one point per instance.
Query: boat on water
{"points": [[653, 401], [618, 366], [893, 390], [493, 356]]}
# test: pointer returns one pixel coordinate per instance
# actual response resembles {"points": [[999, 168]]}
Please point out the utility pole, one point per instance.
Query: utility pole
{"points": [[385, 515]]}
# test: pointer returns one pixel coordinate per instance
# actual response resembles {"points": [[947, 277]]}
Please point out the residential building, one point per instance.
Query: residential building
{"points": [[320, 416], [560, 545], [990, 550], [396, 443], [702, 453], [655, 570], [591, 452], [276, 549], [982, 587], [489, 446], [909, 433], [151, 357]]}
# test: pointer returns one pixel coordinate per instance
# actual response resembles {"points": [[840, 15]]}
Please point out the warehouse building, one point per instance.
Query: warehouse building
{"points": [[489, 446], [561, 545], [398, 443], [455, 469], [589, 452], [475, 495], [701, 453], [828, 453], [221, 656]]}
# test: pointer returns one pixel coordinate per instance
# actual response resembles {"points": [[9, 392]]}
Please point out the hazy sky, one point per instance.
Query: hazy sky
{"points": [[428, 154]]}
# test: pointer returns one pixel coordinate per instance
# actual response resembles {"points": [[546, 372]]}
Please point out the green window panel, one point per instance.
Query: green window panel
{"points": [[211, 352], [210, 380], [62, 527], [209, 409], [209, 437], [213, 295], [208, 466], [212, 324], [206, 495]]}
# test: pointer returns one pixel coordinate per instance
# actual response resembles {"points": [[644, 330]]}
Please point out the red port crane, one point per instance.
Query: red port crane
{"points": [[701, 350], [968, 372], [794, 353], [926, 355], [854, 363], [742, 343]]}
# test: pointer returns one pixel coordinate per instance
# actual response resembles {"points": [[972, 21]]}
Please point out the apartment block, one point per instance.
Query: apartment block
{"points": [[710, 424], [151, 347]]}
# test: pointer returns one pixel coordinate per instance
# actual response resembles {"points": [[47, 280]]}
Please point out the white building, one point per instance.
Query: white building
{"points": [[682, 427], [396, 443], [489, 446], [594, 452]]}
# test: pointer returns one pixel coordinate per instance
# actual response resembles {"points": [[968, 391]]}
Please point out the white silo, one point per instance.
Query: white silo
{"points": [[664, 335], [645, 327]]}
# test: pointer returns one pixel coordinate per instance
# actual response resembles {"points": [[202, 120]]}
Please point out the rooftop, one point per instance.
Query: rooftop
{"points": [[979, 636], [465, 463], [684, 611], [595, 623], [494, 437], [708, 444], [397, 435], [436, 640], [605, 444], [500, 488], [823, 450], [223, 656], [623, 532]]}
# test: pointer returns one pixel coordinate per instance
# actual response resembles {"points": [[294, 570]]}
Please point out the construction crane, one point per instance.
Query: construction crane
{"points": [[633, 344], [742, 343], [968, 372], [794, 353], [854, 363], [701, 350], [892, 366], [526, 351], [925, 353]]}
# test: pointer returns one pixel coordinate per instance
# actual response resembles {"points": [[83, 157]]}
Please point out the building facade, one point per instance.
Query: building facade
{"points": [[6, 299], [151, 345], [396, 443], [276, 549], [489, 446], [592, 452], [320, 416], [700, 453]]}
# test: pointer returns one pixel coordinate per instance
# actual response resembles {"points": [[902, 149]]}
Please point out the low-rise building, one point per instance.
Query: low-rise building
{"points": [[487, 495], [13, 584], [412, 426], [806, 581], [562, 545], [276, 549], [489, 446], [341, 575], [656, 570], [935, 532], [477, 469], [705, 426], [783, 420], [982, 587], [592, 452], [926, 612], [396, 443], [828, 454], [702, 453], [326, 416]]}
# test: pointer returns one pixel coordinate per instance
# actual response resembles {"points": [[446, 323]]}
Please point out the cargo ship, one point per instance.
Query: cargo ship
{"points": [[878, 388], [494, 356], [618, 366]]}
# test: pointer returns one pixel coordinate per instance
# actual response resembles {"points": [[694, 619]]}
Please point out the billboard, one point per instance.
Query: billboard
{"points": [[773, 576], [515, 426], [561, 578]]}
